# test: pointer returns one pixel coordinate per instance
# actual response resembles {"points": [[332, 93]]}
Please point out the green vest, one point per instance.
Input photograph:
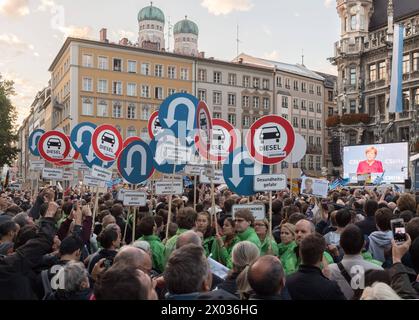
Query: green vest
{"points": [[250, 235], [171, 244], [223, 254], [208, 243], [265, 246], [157, 251]]}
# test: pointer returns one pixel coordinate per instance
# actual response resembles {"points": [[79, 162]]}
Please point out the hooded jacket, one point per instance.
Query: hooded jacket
{"points": [[379, 241]]}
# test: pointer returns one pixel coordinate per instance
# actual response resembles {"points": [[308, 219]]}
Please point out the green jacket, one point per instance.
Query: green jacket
{"points": [[157, 251], [368, 257], [171, 244], [288, 257], [223, 254], [250, 235], [265, 246], [208, 243]]}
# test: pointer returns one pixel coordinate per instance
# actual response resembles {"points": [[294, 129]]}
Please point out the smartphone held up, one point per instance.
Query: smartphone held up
{"points": [[399, 230]]}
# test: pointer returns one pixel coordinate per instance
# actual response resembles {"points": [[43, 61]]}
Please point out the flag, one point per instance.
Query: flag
{"points": [[379, 179], [396, 98]]}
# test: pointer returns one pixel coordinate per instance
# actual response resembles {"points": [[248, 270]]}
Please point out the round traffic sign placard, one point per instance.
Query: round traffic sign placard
{"points": [[153, 126], [33, 141], [204, 126], [54, 146], [270, 139], [72, 155], [107, 142], [128, 140]]}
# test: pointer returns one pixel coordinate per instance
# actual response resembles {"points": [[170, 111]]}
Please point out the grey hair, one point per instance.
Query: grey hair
{"points": [[21, 219], [75, 273], [379, 291], [244, 253], [188, 237], [143, 245]]}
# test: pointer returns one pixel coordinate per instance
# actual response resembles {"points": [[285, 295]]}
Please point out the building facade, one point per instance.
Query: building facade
{"points": [[363, 57]]}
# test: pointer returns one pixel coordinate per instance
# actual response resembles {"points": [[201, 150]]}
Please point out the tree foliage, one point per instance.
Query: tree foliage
{"points": [[8, 115]]}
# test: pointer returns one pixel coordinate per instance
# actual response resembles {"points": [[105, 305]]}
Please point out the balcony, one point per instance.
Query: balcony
{"points": [[404, 115]]}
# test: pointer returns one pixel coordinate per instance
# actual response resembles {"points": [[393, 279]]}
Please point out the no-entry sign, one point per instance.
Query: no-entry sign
{"points": [[54, 146], [107, 142]]}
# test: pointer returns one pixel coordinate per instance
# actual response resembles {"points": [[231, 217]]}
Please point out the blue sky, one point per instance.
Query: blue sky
{"points": [[32, 32]]}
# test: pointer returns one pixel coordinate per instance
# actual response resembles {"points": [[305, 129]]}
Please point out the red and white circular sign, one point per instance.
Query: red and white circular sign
{"points": [[72, 155], [224, 140], [153, 126], [107, 142], [270, 139], [128, 140], [54, 146], [204, 125]]}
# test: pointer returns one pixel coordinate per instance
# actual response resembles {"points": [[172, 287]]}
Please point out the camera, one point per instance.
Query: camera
{"points": [[399, 230]]}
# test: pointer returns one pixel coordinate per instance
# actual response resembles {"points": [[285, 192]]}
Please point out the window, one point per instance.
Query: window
{"points": [[131, 89], [352, 138], [352, 106], [371, 106], [171, 91], [132, 66], [352, 76], [246, 81], [103, 63], [217, 77], [145, 91], [255, 102], [184, 74], [318, 125], [256, 82], [318, 163], [145, 112], [303, 163], [117, 87], [284, 102], [303, 105], [202, 75], [117, 65], [406, 100], [406, 63], [132, 111], [87, 107], [117, 110], [202, 95], [311, 88], [279, 82], [319, 90], [404, 134], [87, 60], [382, 70], [353, 22], [310, 163], [416, 97], [246, 101], [330, 96], [295, 85], [102, 86], [319, 108], [246, 121], [171, 72], [311, 124], [87, 84], [158, 92], [295, 122], [231, 99], [372, 72], [266, 103], [183, 91], [304, 123], [158, 70], [285, 116], [318, 141], [131, 132], [303, 87], [232, 119], [265, 84], [145, 69], [232, 79], [216, 115], [310, 140], [311, 106], [416, 61], [102, 108], [216, 97], [295, 103]]}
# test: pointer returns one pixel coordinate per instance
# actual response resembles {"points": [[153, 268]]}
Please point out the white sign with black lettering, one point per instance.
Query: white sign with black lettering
{"points": [[169, 177], [80, 165], [258, 210], [270, 182], [93, 182], [218, 177], [134, 198], [101, 173], [37, 165], [193, 170], [68, 176], [167, 187], [52, 174]]}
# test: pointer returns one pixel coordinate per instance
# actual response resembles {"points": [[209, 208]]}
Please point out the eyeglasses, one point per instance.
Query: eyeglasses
{"points": [[260, 225], [239, 220]]}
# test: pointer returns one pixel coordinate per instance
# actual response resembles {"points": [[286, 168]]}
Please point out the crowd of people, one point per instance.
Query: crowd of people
{"points": [[61, 247]]}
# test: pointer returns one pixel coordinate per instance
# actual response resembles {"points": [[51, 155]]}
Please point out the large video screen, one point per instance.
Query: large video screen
{"points": [[376, 159]]}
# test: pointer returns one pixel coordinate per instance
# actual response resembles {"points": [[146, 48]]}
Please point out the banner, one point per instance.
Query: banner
{"points": [[396, 97]]}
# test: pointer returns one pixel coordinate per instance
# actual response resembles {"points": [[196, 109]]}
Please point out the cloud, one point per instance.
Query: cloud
{"points": [[328, 3], [14, 8], [267, 30], [123, 34], [9, 41], [218, 7], [46, 4], [273, 55], [76, 32]]}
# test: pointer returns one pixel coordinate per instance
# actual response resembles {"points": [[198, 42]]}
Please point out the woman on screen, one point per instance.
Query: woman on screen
{"points": [[370, 165]]}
